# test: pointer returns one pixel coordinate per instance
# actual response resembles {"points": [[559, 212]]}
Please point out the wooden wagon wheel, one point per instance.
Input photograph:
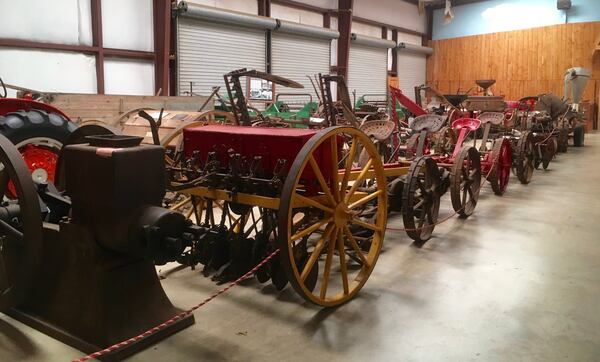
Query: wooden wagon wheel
{"points": [[21, 236], [420, 198], [465, 181], [525, 157], [502, 158], [345, 215]]}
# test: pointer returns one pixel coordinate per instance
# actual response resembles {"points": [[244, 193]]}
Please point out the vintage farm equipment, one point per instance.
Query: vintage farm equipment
{"points": [[38, 130], [79, 265]]}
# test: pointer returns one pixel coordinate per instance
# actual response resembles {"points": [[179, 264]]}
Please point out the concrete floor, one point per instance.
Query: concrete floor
{"points": [[518, 280]]}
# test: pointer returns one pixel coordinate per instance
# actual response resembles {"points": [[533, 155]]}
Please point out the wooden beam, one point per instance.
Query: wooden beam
{"points": [[97, 42], [345, 29]]}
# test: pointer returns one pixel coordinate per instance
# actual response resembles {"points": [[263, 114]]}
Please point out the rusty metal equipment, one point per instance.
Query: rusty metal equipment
{"points": [[79, 265]]}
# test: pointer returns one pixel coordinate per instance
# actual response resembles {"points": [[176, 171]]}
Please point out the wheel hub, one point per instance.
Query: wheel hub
{"points": [[342, 215]]}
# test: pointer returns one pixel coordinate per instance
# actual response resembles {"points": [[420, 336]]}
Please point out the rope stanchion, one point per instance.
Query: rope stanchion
{"points": [[177, 317]]}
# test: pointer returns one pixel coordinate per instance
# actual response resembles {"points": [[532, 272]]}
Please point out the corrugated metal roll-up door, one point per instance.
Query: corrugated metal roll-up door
{"points": [[367, 67], [411, 72], [296, 56], [207, 50]]}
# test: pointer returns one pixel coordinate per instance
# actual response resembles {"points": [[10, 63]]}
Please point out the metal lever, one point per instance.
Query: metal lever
{"points": [[153, 124]]}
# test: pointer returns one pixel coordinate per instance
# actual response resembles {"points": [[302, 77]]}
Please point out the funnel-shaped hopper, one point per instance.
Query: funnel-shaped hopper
{"points": [[577, 78], [455, 99], [485, 83]]}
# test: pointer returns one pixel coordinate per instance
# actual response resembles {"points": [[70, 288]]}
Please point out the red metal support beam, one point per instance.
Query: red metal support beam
{"points": [[162, 46], [173, 58], [345, 29], [300, 6], [327, 20], [264, 8], [429, 19], [379, 24], [394, 71], [97, 42]]}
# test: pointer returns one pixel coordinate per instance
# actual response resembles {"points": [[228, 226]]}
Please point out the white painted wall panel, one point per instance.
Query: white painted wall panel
{"points": [[394, 12], [296, 15], [367, 73], [366, 29], [127, 24], [208, 50], [244, 6], [58, 21], [131, 77], [48, 71]]}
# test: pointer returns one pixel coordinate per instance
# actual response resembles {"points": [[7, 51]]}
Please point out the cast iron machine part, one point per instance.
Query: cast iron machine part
{"points": [[96, 283]]}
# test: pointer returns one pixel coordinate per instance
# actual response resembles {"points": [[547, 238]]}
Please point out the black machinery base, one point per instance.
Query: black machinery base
{"points": [[91, 298], [88, 348]]}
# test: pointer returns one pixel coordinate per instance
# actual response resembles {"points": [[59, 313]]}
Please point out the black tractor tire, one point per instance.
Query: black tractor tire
{"points": [[21, 126], [578, 136]]}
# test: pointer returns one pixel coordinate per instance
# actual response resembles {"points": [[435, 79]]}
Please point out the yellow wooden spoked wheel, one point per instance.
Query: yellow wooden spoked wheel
{"points": [[332, 216]]}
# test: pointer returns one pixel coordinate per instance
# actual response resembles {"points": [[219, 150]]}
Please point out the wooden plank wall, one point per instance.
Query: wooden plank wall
{"points": [[523, 62]]}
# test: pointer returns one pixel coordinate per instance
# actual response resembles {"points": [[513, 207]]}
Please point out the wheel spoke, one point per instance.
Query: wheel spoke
{"points": [[335, 182], [342, 253], [359, 179], [464, 196], [365, 225], [365, 199], [311, 202], [421, 219], [349, 161], [316, 253], [325, 280], [321, 180], [302, 233], [355, 246]]}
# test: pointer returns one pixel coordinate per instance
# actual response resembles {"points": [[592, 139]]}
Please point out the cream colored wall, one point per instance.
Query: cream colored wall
{"points": [[244, 6], [296, 15]]}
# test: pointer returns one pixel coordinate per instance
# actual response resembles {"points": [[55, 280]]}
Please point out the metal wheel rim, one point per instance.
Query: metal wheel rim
{"points": [[417, 193], [29, 251], [468, 158]]}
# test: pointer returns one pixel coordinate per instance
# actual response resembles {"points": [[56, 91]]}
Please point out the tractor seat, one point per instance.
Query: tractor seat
{"points": [[495, 118], [429, 122], [380, 129], [471, 124]]}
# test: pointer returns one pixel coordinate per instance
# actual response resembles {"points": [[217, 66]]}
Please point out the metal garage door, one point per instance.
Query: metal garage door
{"points": [[367, 66], [207, 50], [411, 72], [296, 56]]}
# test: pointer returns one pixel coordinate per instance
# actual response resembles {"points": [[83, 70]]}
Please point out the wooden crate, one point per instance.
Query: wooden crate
{"points": [[110, 109]]}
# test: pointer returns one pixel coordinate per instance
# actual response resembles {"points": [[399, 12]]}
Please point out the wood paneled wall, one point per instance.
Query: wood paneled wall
{"points": [[523, 62]]}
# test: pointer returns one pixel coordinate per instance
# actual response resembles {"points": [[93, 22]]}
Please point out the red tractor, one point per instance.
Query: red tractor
{"points": [[37, 129]]}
